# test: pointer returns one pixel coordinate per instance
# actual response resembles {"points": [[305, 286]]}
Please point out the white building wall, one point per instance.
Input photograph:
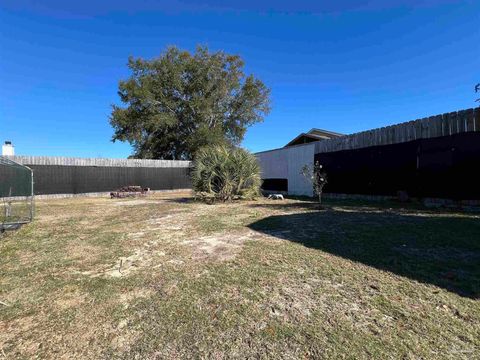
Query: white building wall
{"points": [[273, 164], [287, 163], [297, 158]]}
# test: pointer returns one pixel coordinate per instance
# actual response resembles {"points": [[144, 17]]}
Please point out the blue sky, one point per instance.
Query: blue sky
{"points": [[344, 66]]}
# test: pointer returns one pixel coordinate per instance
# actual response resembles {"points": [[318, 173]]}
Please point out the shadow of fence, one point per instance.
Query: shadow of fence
{"points": [[433, 248]]}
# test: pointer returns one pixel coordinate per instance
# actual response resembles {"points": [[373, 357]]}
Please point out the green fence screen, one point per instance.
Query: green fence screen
{"points": [[16, 193]]}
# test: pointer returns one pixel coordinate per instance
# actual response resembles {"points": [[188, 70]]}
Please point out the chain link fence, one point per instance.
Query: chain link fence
{"points": [[16, 194]]}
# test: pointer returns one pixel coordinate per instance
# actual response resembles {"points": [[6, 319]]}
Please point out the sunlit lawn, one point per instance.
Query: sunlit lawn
{"points": [[167, 277]]}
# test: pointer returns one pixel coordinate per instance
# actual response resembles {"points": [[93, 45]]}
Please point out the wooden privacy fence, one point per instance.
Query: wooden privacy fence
{"points": [[435, 157], [64, 175], [434, 126], [74, 161]]}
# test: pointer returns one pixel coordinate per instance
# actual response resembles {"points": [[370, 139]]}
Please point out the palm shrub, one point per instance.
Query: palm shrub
{"points": [[225, 173]]}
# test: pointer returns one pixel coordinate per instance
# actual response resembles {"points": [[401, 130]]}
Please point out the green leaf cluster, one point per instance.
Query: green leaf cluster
{"points": [[180, 102], [225, 173]]}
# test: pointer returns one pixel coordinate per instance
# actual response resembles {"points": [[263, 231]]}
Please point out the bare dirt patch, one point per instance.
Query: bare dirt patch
{"points": [[69, 297], [125, 265], [124, 337], [223, 246], [217, 247], [137, 202], [126, 298]]}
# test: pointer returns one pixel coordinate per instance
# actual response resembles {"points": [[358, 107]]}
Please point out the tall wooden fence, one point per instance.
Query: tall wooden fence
{"points": [[438, 156], [431, 127], [64, 175]]}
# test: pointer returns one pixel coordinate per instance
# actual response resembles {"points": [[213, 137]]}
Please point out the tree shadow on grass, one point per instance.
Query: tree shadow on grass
{"points": [[383, 205], [439, 249], [180, 200]]}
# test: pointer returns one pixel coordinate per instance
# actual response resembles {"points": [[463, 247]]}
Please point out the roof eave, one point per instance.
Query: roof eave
{"points": [[311, 136]]}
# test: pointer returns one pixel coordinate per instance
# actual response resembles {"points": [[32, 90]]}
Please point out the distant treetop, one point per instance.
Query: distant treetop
{"points": [[180, 102]]}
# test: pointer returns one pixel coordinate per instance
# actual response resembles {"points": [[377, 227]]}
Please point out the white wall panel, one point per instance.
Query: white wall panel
{"points": [[297, 158], [273, 164], [287, 163]]}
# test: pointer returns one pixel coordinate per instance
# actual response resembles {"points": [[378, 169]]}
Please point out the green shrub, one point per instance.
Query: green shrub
{"points": [[225, 173]]}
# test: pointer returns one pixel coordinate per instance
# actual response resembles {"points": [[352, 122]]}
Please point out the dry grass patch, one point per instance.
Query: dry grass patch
{"points": [[167, 277]]}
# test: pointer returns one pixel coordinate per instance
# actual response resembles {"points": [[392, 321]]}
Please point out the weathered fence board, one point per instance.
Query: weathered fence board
{"points": [[73, 161], [434, 126], [62, 175], [470, 120], [476, 120], [439, 167]]}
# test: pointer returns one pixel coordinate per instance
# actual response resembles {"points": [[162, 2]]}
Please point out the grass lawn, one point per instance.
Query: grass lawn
{"points": [[166, 277]]}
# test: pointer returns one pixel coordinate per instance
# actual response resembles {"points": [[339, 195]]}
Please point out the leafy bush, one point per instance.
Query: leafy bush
{"points": [[225, 173]]}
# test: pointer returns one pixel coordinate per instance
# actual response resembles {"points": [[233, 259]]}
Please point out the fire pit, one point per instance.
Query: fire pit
{"points": [[129, 191]]}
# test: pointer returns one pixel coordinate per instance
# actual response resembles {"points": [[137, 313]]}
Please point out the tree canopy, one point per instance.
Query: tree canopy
{"points": [[180, 102]]}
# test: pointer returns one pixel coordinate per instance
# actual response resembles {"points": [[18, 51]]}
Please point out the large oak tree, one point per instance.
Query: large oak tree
{"points": [[180, 102]]}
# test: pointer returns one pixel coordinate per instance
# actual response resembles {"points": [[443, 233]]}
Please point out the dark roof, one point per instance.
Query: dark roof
{"points": [[313, 135]]}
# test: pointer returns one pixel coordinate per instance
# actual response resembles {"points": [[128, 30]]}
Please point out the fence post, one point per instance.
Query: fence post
{"points": [[476, 120]]}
